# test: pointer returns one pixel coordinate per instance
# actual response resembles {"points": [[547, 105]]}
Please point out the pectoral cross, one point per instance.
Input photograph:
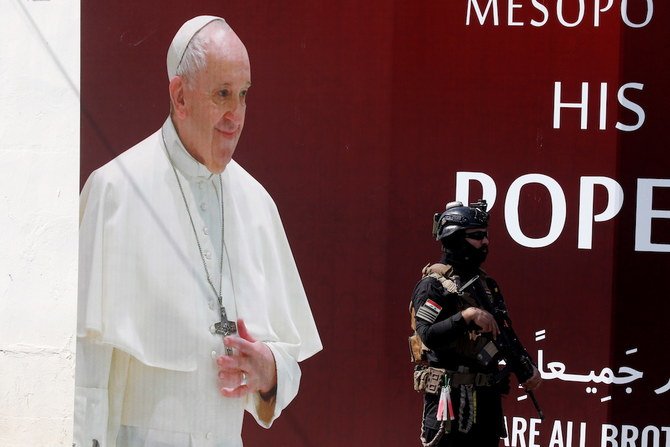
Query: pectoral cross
{"points": [[225, 327]]}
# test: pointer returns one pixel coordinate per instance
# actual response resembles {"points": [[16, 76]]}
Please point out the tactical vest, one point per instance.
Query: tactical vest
{"points": [[469, 344]]}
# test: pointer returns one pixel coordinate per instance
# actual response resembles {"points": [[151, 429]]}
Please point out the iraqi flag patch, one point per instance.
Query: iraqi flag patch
{"points": [[429, 311]]}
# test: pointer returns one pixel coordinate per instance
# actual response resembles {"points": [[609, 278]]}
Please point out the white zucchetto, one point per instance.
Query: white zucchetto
{"points": [[181, 40]]}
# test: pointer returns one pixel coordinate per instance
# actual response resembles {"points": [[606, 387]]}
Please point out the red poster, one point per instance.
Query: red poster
{"points": [[365, 118]]}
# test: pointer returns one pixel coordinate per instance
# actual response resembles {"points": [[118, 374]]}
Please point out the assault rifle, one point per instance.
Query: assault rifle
{"points": [[507, 347]]}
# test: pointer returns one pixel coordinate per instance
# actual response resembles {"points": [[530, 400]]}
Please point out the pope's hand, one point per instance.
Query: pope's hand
{"points": [[250, 369]]}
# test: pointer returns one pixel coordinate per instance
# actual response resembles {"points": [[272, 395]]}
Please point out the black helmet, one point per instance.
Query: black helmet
{"points": [[459, 217]]}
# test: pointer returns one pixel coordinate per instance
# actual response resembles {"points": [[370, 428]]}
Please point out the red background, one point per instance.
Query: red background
{"points": [[360, 115]]}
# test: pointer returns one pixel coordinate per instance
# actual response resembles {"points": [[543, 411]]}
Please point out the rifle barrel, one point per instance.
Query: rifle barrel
{"points": [[540, 413]]}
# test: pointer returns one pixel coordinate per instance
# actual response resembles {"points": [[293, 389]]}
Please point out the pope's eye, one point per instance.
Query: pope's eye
{"points": [[224, 93]]}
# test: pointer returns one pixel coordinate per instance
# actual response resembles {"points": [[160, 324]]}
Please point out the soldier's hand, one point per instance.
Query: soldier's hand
{"points": [[481, 318], [534, 381], [251, 368]]}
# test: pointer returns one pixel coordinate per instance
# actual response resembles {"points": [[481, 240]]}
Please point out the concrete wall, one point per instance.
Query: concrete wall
{"points": [[39, 171]]}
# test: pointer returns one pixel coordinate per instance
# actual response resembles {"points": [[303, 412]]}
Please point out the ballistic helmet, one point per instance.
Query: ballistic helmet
{"points": [[459, 217]]}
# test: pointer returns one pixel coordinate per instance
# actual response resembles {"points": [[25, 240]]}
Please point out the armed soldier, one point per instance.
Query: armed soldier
{"points": [[463, 331]]}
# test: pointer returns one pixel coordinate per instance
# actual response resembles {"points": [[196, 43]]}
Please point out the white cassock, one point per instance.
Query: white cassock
{"points": [[145, 373]]}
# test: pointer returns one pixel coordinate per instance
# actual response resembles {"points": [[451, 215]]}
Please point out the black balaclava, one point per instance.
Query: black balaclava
{"points": [[461, 254]]}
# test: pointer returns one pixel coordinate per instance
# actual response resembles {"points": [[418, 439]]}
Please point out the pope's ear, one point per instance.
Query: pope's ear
{"points": [[176, 88]]}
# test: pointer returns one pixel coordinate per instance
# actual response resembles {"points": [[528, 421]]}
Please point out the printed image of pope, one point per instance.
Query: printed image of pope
{"points": [[190, 306]]}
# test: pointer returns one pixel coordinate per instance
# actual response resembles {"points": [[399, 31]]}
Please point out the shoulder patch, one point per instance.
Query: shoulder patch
{"points": [[429, 311]]}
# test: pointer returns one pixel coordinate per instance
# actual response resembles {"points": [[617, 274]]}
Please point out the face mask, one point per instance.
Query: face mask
{"points": [[461, 252], [475, 256]]}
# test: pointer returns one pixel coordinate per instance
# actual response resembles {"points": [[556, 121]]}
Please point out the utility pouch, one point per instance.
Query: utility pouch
{"points": [[416, 352], [428, 380]]}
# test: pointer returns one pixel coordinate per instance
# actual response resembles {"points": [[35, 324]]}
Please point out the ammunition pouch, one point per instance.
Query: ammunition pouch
{"points": [[417, 352], [430, 379]]}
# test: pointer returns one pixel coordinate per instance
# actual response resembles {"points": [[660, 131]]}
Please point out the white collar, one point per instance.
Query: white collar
{"points": [[181, 158]]}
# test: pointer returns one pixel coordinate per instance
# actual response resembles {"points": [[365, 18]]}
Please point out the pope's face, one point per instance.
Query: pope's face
{"points": [[215, 101]]}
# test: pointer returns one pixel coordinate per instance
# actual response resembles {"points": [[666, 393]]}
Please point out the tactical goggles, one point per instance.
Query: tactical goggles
{"points": [[477, 235]]}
